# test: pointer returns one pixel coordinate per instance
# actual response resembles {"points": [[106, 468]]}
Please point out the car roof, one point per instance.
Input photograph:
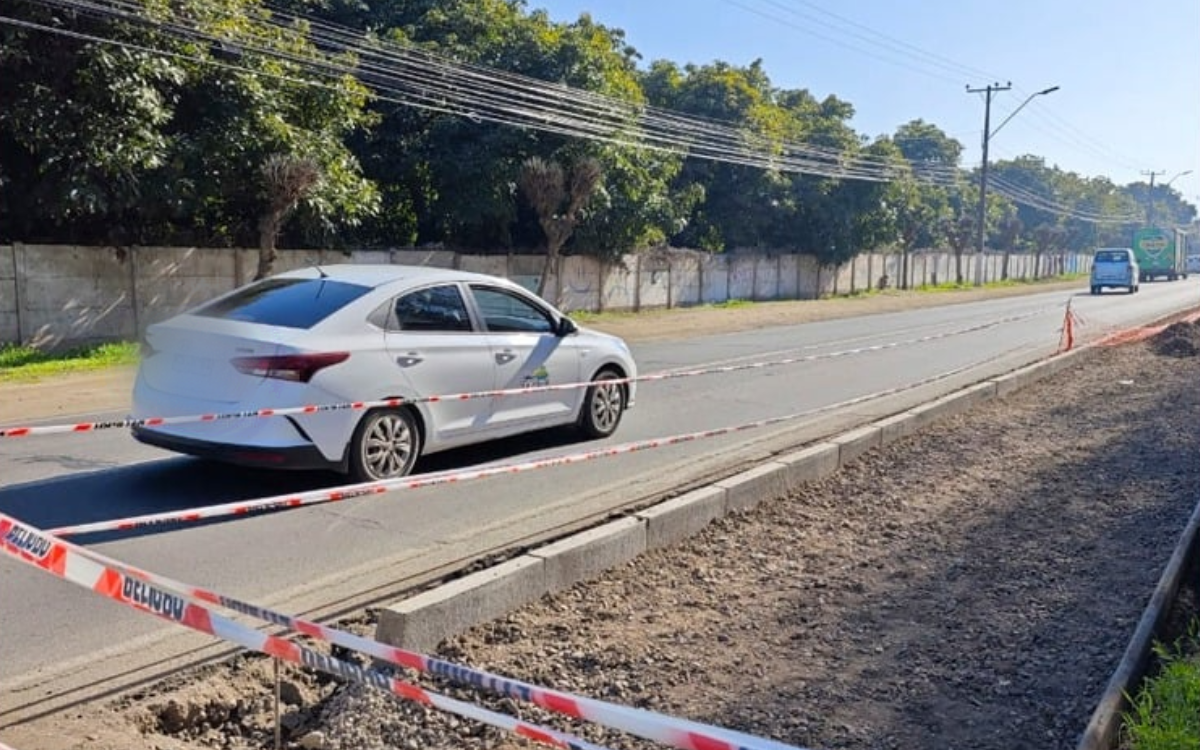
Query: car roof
{"points": [[375, 275]]}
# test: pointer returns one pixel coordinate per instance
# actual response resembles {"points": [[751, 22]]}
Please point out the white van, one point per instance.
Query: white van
{"points": [[1115, 267]]}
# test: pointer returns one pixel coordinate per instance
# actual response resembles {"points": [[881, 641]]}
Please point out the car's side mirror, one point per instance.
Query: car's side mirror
{"points": [[566, 326]]}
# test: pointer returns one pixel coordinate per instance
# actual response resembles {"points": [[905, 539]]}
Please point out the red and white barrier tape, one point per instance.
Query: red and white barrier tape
{"points": [[89, 427], [65, 561], [168, 600], [336, 494], [680, 733]]}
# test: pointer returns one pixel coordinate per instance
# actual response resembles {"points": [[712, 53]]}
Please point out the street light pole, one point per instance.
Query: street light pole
{"points": [[981, 229]]}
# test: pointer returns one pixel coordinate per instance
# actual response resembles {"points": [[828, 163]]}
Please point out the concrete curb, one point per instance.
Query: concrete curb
{"points": [[1102, 730], [420, 622], [588, 553], [674, 520]]}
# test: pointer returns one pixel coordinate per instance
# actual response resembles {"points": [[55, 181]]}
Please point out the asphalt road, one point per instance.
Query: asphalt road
{"points": [[61, 644]]}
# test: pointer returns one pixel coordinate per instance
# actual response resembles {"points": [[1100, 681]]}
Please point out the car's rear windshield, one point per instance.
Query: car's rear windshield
{"points": [[292, 303], [1112, 256]]}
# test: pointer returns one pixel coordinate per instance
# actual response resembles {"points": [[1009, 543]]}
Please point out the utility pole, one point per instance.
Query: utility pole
{"points": [[983, 171], [1150, 196], [981, 230]]}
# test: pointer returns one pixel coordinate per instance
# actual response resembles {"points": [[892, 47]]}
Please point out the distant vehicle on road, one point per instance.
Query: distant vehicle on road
{"points": [[1115, 267], [1159, 255], [347, 333], [1193, 264]]}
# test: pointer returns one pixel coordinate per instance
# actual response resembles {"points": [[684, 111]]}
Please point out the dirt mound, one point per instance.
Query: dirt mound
{"points": [[1178, 340]]}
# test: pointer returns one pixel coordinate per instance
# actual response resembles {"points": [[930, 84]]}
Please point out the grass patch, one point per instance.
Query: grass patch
{"points": [[30, 363], [1165, 714], [730, 304], [967, 285]]}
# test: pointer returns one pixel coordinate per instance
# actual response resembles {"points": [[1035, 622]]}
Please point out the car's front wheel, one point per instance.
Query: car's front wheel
{"points": [[385, 445], [603, 405]]}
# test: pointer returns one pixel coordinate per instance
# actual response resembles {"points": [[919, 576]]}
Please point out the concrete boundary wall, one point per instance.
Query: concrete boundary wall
{"points": [[62, 296]]}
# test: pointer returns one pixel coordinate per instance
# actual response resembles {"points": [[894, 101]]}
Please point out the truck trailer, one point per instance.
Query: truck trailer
{"points": [[1159, 255]]}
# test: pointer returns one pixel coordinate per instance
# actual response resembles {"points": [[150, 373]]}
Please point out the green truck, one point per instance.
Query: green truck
{"points": [[1159, 254]]}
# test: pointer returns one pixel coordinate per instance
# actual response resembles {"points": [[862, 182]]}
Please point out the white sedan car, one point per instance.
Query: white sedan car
{"points": [[351, 333]]}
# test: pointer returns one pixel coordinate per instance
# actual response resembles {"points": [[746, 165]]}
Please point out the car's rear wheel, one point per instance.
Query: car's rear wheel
{"points": [[603, 405], [385, 445]]}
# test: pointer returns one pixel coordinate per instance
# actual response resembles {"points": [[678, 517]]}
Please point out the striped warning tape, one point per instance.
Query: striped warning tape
{"points": [[161, 421], [1134, 335], [645, 724], [153, 595], [336, 494]]}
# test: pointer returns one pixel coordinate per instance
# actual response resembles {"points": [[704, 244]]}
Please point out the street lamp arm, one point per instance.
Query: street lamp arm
{"points": [[1028, 99], [1176, 177]]}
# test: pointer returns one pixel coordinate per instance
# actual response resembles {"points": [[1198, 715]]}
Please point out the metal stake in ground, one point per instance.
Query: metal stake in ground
{"points": [[278, 732]]}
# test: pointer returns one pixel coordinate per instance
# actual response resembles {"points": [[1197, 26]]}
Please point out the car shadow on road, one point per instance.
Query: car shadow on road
{"points": [[173, 484], [102, 493]]}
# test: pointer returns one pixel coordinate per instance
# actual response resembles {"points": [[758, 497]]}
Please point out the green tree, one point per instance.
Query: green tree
{"points": [[736, 209], [959, 230], [926, 145], [268, 99], [1007, 237], [917, 208], [451, 179], [636, 206], [82, 124], [163, 142]]}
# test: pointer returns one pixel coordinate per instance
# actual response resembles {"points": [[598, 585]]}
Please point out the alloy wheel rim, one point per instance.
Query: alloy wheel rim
{"points": [[388, 447], [606, 406]]}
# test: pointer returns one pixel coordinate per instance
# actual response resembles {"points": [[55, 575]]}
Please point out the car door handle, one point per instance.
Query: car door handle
{"points": [[504, 357], [409, 359]]}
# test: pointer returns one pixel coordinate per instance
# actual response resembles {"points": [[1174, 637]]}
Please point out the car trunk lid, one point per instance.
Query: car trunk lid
{"points": [[192, 356]]}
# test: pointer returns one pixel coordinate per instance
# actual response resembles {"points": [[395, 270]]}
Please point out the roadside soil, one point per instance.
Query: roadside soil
{"points": [[64, 396], [971, 586]]}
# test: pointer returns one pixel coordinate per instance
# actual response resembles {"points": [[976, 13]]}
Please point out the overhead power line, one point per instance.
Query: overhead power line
{"points": [[413, 77], [893, 50], [812, 19]]}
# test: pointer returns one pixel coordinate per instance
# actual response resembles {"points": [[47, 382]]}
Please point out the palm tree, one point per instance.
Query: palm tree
{"points": [[287, 179], [557, 204]]}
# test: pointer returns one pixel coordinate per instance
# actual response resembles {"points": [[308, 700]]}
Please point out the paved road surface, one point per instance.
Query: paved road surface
{"points": [[61, 644]]}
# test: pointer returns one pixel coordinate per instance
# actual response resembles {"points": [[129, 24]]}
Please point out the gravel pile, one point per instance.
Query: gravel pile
{"points": [[973, 586]]}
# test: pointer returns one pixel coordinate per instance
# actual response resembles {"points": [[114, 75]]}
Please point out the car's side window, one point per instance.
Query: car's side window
{"points": [[436, 308], [505, 312]]}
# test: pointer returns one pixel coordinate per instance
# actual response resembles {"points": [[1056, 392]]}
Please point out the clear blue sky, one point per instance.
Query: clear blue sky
{"points": [[1129, 70]]}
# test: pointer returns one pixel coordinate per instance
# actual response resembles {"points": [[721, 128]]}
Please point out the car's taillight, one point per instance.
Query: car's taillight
{"points": [[295, 367]]}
